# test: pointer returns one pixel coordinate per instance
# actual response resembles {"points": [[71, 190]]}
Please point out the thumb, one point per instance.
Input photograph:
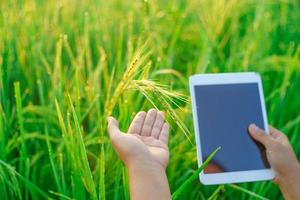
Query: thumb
{"points": [[259, 135], [113, 127]]}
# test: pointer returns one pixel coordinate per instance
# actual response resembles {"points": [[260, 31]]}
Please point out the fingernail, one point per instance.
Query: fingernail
{"points": [[141, 113], [253, 128], [108, 118], [152, 110]]}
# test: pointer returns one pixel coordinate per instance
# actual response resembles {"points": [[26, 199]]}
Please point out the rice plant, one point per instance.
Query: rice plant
{"points": [[66, 65]]}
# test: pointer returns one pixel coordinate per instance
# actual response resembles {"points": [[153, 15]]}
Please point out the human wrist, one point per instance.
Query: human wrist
{"points": [[144, 166], [291, 174], [148, 180], [289, 182]]}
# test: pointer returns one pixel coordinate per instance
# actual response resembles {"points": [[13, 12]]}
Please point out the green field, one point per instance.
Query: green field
{"points": [[66, 65]]}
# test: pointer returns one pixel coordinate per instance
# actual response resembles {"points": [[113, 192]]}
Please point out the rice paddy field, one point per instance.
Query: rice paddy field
{"points": [[66, 65]]}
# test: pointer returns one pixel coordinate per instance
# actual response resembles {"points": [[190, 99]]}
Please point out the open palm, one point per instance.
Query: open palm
{"points": [[145, 141]]}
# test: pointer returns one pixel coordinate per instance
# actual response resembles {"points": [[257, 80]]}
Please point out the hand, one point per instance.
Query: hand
{"points": [[279, 151], [281, 158], [146, 141], [144, 150]]}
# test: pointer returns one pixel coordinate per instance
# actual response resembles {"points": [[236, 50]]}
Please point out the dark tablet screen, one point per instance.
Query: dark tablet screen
{"points": [[224, 114]]}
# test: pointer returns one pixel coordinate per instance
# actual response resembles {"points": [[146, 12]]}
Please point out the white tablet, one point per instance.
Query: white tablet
{"points": [[224, 105]]}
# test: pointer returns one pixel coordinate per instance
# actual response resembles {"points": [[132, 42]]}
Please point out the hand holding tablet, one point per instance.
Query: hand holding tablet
{"points": [[224, 105], [229, 112], [282, 158]]}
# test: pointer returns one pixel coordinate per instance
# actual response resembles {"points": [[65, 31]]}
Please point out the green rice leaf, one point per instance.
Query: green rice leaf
{"points": [[195, 176]]}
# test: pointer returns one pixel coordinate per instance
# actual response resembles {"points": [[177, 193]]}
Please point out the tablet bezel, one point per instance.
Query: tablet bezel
{"points": [[219, 79]]}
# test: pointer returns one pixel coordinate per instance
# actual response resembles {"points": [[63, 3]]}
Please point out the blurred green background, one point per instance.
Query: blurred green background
{"points": [[65, 65]]}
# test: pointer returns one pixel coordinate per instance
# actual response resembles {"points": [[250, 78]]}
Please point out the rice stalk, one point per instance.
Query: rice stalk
{"points": [[62, 196], [125, 183], [10, 187], [253, 194], [164, 96], [102, 174], [2, 137], [23, 160], [72, 153], [216, 193], [27, 183], [138, 59], [194, 176], [88, 177], [57, 74], [49, 146], [84, 47]]}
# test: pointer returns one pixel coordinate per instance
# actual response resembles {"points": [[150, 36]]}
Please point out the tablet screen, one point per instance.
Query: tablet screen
{"points": [[224, 114]]}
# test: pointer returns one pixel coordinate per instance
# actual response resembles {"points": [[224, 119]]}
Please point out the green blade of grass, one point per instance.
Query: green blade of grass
{"points": [[215, 194], [195, 176], [125, 183], [24, 164], [86, 167], [49, 147], [74, 156], [28, 184], [61, 167], [253, 194], [62, 196], [2, 137], [117, 180], [10, 186], [20, 119], [102, 173]]}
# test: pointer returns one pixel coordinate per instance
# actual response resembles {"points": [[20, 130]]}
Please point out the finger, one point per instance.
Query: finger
{"points": [[158, 124], [275, 133], [164, 134], [259, 135], [112, 127], [137, 123], [276, 180], [148, 123]]}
